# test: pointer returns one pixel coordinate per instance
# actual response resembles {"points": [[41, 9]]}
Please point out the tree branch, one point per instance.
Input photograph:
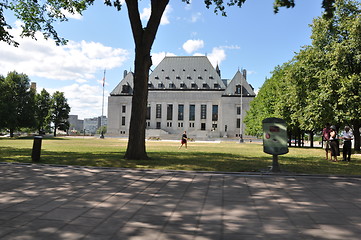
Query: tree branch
{"points": [[135, 21]]}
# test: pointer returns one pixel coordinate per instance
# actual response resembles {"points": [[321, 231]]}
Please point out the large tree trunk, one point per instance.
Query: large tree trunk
{"points": [[136, 145], [143, 39], [55, 127], [311, 139]]}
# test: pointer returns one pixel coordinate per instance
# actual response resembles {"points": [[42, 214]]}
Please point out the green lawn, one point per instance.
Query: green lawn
{"points": [[209, 156]]}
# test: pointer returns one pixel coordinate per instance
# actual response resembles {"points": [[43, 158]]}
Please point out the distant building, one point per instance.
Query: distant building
{"points": [[185, 93], [75, 124], [91, 125]]}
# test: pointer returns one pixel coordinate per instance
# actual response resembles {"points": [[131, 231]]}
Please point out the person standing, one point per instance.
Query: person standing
{"points": [[326, 139], [347, 136], [184, 140], [334, 145]]}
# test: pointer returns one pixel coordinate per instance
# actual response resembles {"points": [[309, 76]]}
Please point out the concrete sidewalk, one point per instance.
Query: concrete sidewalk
{"points": [[49, 202]]}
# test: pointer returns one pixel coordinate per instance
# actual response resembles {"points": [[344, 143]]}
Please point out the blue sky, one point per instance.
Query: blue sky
{"points": [[251, 37]]}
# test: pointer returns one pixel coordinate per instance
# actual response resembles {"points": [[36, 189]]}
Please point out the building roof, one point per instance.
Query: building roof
{"points": [[124, 85], [187, 73], [239, 85]]}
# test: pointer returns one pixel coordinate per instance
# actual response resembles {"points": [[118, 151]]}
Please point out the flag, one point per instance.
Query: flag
{"points": [[104, 78]]}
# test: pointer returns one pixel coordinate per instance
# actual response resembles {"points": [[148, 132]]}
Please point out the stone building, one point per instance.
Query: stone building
{"points": [[185, 93], [75, 124]]}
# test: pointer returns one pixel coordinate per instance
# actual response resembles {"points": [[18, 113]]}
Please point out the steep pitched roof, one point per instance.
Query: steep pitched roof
{"points": [[185, 72], [125, 87], [239, 85], [188, 73]]}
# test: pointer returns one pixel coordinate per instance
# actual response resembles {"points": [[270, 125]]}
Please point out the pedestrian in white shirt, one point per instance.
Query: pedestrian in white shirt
{"points": [[347, 136]]}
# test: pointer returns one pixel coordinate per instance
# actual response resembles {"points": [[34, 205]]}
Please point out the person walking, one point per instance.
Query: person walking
{"points": [[334, 145], [184, 140], [347, 136], [326, 139]]}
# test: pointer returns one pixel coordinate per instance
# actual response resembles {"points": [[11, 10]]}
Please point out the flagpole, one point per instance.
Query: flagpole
{"points": [[101, 118]]}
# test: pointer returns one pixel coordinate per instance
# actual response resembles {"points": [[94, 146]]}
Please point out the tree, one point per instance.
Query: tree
{"points": [[338, 40], [17, 102], [43, 103], [323, 81], [266, 103], [2, 101], [60, 112], [40, 16]]}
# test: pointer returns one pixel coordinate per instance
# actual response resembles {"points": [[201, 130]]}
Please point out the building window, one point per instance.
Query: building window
{"points": [[125, 89], [123, 121], [205, 85], [238, 110], [193, 85], [182, 85], [170, 112], [191, 124], [214, 126], [147, 124], [171, 85], [203, 126], [203, 111], [181, 112], [160, 85], [215, 113], [216, 85], [238, 123], [169, 124], [238, 89], [192, 112], [158, 111], [158, 125], [148, 113], [180, 124], [124, 108]]}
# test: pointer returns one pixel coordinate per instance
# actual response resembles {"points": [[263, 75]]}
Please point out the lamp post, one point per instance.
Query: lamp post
{"points": [[101, 118], [241, 116]]}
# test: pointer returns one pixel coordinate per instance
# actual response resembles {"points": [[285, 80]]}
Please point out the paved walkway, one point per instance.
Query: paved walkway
{"points": [[49, 202]]}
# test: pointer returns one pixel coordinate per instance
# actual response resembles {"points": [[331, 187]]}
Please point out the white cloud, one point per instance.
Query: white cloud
{"points": [[158, 57], [193, 45], [216, 57], [145, 15], [196, 16], [69, 15], [85, 100], [231, 47], [77, 61]]}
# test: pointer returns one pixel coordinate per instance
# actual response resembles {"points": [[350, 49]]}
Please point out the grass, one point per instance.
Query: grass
{"points": [[224, 156]]}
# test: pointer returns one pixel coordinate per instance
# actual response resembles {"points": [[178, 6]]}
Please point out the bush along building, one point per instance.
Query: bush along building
{"points": [[186, 93]]}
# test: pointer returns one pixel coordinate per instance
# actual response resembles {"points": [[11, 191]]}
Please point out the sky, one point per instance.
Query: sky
{"points": [[100, 40]]}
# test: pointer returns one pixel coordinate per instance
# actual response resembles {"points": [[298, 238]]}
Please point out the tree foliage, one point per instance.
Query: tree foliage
{"points": [[21, 107], [43, 104], [60, 112], [323, 81], [17, 102]]}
